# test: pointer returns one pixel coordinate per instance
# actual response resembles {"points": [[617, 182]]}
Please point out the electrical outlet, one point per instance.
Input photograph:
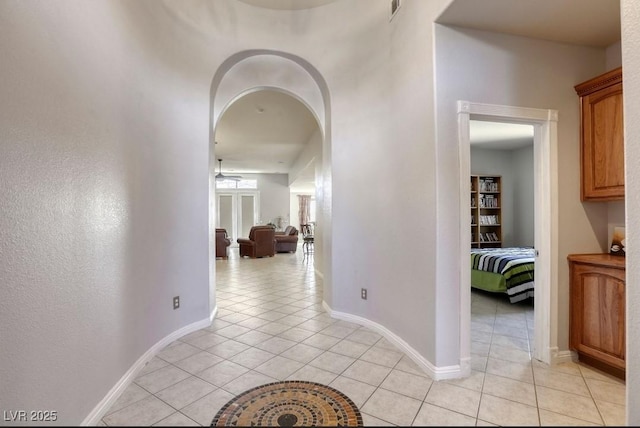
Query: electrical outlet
{"points": [[363, 293], [176, 302]]}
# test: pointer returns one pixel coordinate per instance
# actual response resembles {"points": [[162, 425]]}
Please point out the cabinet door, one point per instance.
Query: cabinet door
{"points": [[598, 313], [603, 145]]}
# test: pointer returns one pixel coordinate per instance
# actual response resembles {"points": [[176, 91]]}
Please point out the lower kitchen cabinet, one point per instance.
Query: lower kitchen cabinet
{"points": [[597, 311]]}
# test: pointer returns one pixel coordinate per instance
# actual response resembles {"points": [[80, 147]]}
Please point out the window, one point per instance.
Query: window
{"points": [[248, 184], [239, 184]]}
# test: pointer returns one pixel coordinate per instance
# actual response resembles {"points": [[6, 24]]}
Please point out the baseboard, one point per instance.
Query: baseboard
{"points": [[103, 406], [563, 356], [436, 373]]}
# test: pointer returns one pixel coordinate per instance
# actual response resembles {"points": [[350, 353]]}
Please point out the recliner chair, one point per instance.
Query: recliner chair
{"points": [[261, 242], [287, 241], [222, 242]]}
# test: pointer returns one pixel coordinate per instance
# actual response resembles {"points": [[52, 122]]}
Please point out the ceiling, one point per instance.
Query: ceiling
{"points": [[581, 22], [253, 141], [287, 4], [263, 132]]}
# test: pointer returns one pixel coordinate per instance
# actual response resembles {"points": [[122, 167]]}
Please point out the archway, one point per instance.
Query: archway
{"points": [[254, 70]]}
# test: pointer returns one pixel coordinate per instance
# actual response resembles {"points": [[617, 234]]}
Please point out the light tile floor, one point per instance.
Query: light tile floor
{"points": [[271, 326]]}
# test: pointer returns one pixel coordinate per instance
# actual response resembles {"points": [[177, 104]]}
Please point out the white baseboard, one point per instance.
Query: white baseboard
{"points": [[103, 406], [436, 373], [563, 356]]}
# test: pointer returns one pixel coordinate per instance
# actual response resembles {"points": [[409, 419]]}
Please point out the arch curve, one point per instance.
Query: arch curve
{"points": [[252, 70]]}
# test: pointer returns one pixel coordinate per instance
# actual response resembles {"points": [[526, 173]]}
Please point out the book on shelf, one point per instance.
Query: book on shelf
{"points": [[489, 201], [489, 237], [488, 185], [489, 220]]}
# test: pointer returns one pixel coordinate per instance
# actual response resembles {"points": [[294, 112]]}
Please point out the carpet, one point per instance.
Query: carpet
{"points": [[290, 403]]}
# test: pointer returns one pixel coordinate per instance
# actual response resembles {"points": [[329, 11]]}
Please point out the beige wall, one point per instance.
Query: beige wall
{"points": [[631, 66]]}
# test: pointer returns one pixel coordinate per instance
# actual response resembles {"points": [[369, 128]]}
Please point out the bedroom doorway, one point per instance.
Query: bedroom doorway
{"points": [[544, 123]]}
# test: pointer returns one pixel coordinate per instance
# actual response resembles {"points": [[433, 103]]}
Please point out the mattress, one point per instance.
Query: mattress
{"points": [[504, 270]]}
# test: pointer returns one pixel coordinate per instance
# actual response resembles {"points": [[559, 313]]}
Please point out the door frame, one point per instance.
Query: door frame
{"points": [[545, 124]]}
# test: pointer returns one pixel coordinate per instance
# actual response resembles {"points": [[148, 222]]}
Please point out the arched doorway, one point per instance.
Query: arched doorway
{"points": [[251, 71]]}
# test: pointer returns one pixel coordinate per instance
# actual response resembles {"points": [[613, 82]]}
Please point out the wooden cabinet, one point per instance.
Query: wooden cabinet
{"points": [[597, 310], [486, 229], [601, 137]]}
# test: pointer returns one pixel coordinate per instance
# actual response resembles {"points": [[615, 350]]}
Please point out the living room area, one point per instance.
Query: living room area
{"points": [[262, 215], [267, 147]]}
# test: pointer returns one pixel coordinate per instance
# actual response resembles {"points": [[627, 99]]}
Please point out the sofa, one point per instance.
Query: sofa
{"points": [[222, 243], [287, 241], [261, 242]]}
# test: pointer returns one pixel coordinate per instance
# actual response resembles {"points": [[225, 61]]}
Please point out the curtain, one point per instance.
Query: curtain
{"points": [[304, 202]]}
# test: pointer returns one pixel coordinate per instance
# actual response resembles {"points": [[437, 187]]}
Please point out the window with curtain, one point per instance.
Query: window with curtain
{"points": [[304, 209]]}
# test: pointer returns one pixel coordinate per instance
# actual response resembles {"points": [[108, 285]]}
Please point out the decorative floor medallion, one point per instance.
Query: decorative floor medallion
{"points": [[290, 403]]}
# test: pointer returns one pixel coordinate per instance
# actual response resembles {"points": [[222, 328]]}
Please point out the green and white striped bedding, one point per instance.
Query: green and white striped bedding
{"points": [[515, 265]]}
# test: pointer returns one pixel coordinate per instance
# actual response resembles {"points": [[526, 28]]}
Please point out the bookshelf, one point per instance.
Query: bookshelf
{"points": [[486, 215]]}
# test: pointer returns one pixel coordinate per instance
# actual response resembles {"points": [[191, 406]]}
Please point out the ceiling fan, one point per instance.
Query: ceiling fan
{"points": [[221, 177]]}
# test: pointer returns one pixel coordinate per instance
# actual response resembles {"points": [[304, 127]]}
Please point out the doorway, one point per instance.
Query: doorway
{"points": [[237, 212], [502, 209], [544, 123]]}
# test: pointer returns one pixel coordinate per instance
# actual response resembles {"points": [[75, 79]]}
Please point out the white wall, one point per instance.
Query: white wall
{"points": [[524, 206], [631, 66], [614, 56], [500, 69], [311, 155], [103, 163], [274, 196], [383, 154]]}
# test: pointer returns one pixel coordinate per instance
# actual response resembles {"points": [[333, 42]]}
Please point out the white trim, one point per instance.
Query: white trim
{"points": [[436, 373], [103, 406], [546, 215], [563, 356]]}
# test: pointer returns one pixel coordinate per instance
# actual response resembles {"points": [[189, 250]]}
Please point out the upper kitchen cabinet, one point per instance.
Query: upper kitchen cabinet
{"points": [[601, 135]]}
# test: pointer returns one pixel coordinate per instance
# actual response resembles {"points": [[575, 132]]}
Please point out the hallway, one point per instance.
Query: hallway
{"points": [[271, 326]]}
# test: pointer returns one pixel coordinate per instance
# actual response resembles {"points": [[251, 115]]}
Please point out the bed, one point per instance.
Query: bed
{"points": [[504, 270]]}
